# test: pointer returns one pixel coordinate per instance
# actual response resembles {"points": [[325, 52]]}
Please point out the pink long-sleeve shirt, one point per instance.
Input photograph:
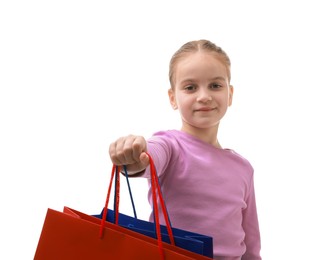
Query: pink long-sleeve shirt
{"points": [[208, 190]]}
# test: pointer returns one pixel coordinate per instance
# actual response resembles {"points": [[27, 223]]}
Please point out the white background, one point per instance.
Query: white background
{"points": [[76, 75]]}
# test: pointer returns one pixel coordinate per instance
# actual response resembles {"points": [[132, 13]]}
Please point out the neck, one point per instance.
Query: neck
{"points": [[208, 135]]}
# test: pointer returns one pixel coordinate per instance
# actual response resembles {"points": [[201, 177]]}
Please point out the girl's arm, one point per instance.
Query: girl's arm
{"points": [[251, 227]]}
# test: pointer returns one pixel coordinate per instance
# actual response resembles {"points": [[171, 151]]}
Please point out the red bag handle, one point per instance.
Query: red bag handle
{"points": [[157, 199]]}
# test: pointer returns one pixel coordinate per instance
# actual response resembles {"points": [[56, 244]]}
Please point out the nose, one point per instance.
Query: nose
{"points": [[204, 96]]}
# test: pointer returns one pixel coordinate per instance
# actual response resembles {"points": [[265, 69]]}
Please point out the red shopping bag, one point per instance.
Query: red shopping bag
{"points": [[72, 234]]}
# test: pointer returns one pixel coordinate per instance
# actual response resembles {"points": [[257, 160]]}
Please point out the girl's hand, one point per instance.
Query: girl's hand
{"points": [[130, 151]]}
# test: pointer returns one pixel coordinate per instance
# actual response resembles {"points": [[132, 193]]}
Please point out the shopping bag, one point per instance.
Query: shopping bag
{"points": [[191, 241], [194, 242], [72, 235]]}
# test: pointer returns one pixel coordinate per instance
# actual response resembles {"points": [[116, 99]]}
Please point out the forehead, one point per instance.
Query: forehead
{"points": [[200, 63]]}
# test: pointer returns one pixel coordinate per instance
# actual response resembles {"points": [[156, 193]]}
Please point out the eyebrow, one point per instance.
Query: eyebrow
{"points": [[218, 78], [213, 79]]}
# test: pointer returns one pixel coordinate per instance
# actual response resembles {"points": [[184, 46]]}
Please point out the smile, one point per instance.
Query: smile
{"points": [[204, 109]]}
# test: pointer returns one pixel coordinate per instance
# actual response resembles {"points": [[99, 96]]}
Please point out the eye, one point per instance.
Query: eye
{"points": [[189, 88], [215, 86]]}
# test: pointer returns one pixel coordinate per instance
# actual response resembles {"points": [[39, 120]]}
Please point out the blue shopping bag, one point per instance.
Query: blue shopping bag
{"points": [[197, 243]]}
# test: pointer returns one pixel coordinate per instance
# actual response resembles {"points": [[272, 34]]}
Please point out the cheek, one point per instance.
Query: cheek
{"points": [[184, 101], [225, 99]]}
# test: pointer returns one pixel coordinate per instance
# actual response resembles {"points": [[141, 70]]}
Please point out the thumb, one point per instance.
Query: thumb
{"points": [[144, 159]]}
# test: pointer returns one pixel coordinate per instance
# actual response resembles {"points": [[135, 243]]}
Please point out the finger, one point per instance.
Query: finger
{"points": [[130, 150], [139, 146], [117, 151], [113, 153]]}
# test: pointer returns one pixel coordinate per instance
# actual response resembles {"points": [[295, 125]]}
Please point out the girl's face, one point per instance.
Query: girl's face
{"points": [[202, 92]]}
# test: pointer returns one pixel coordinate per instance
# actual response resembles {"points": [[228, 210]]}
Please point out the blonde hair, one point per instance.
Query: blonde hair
{"points": [[195, 46]]}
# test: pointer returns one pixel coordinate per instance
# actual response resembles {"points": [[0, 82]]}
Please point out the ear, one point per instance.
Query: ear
{"points": [[172, 99], [231, 90]]}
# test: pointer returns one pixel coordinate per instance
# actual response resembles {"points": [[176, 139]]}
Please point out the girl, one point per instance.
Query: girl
{"points": [[207, 189]]}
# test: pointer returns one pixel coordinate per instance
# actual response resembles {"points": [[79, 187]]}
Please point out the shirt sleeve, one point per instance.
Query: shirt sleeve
{"points": [[161, 152], [251, 227]]}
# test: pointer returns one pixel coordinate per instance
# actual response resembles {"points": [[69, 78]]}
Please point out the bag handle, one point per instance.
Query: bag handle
{"points": [[117, 193], [156, 197], [129, 191]]}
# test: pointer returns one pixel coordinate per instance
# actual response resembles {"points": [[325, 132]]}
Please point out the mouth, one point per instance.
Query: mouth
{"points": [[204, 109]]}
